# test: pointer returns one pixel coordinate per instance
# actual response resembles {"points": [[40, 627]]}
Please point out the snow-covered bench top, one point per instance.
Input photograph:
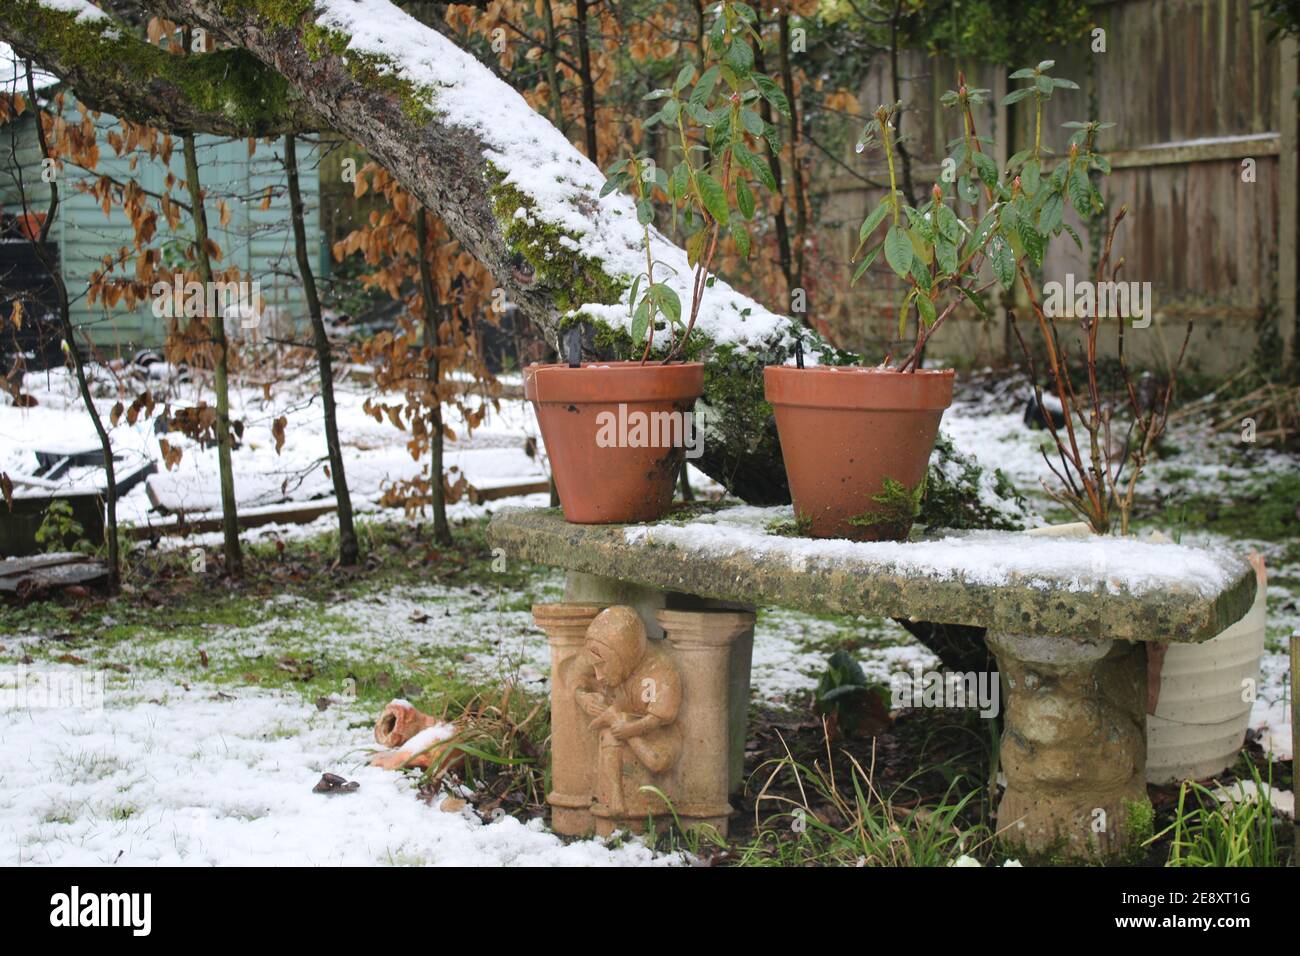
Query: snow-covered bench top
{"points": [[1010, 582]]}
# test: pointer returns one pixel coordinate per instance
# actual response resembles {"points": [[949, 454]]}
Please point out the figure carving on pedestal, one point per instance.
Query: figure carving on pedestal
{"points": [[633, 694]]}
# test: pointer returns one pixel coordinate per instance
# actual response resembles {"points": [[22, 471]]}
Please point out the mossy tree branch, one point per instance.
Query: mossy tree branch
{"points": [[115, 70]]}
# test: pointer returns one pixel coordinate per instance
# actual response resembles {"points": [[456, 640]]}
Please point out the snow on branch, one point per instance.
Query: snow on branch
{"points": [[537, 161]]}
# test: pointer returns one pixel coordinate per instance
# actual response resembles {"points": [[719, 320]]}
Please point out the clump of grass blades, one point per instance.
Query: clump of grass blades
{"points": [[1240, 832], [839, 821], [496, 751]]}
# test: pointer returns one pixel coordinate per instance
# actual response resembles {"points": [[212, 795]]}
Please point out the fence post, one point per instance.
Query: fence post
{"points": [[1286, 196]]}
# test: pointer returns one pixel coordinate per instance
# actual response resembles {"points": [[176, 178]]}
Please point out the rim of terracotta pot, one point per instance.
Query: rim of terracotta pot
{"points": [[858, 387], [605, 382]]}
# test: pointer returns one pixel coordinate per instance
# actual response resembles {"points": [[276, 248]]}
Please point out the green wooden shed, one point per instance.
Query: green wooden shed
{"points": [[259, 241]]}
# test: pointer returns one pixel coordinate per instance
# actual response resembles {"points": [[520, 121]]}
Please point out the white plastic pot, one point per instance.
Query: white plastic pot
{"points": [[1203, 710]]}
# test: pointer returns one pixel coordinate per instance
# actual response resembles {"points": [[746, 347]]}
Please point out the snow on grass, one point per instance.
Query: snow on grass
{"points": [[538, 160], [169, 776]]}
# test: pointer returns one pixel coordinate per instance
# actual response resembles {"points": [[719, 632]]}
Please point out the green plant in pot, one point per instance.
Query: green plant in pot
{"points": [[857, 440], [615, 431]]}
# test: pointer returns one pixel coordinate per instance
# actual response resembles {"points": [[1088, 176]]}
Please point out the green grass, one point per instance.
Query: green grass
{"points": [[1207, 833]]}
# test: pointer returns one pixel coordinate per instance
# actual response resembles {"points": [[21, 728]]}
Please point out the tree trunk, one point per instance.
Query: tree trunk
{"points": [[552, 70], [800, 204], [70, 340], [774, 164], [429, 297], [349, 552], [588, 84], [220, 361]]}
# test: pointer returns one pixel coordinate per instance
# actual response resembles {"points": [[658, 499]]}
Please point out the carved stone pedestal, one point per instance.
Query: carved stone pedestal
{"points": [[1073, 742], [645, 728]]}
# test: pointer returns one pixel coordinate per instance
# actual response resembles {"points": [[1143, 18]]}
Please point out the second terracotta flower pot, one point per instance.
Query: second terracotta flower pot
{"points": [[856, 443], [616, 435]]}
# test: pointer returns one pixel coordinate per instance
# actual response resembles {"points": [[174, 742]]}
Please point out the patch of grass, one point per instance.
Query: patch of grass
{"points": [[1264, 509], [1207, 833], [844, 819]]}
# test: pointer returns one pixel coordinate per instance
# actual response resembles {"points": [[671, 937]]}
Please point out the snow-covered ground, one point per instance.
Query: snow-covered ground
{"points": [[179, 767]]}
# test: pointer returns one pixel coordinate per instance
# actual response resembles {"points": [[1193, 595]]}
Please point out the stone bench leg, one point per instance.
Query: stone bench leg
{"points": [[1073, 742]]}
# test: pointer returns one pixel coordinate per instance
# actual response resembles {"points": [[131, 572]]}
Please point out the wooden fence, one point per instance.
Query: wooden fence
{"points": [[1204, 155]]}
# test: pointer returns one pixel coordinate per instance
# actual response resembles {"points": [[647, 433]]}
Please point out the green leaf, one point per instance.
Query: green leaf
{"points": [[744, 199], [680, 181], [1024, 73], [926, 308], [740, 57], [1081, 194], [974, 300], [713, 196], [704, 86], [945, 253], [645, 213], [641, 321], [967, 191], [1004, 262], [920, 239], [773, 137], [1033, 241], [752, 122], [987, 169], [921, 273], [1063, 84], [872, 221], [898, 250], [902, 313], [948, 226], [684, 76], [667, 301], [772, 93], [1049, 218], [1017, 95], [1029, 177], [865, 264], [1018, 158], [741, 235], [695, 247]]}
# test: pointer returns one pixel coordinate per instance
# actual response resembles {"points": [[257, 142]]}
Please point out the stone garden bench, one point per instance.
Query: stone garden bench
{"points": [[1066, 620]]}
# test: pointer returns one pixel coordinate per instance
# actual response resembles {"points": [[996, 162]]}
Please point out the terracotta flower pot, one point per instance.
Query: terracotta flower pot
{"points": [[614, 452], [856, 443]]}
